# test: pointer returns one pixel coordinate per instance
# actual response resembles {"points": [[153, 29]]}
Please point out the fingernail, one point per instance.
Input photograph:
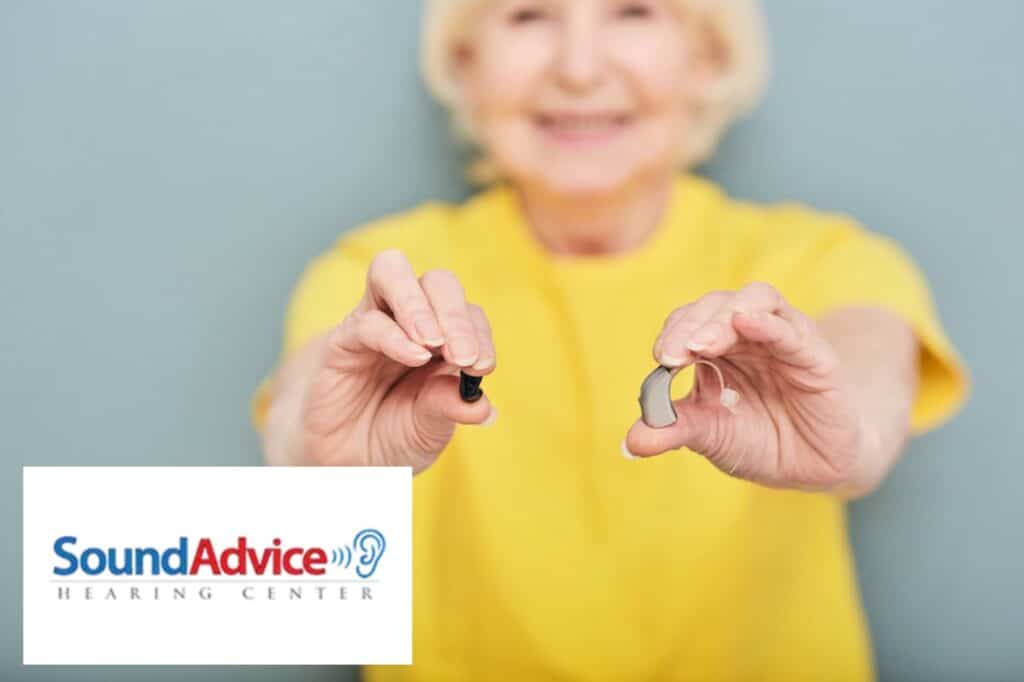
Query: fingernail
{"points": [[422, 354], [625, 451], [670, 360], [461, 352], [483, 364], [491, 418], [429, 332]]}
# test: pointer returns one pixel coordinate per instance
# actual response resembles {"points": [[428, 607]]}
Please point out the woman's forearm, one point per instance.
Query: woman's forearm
{"points": [[282, 434], [878, 359]]}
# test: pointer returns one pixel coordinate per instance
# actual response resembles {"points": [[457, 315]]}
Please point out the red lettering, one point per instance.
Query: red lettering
{"points": [[277, 556], [238, 554], [236, 560], [312, 557], [288, 568], [260, 565], [205, 556]]}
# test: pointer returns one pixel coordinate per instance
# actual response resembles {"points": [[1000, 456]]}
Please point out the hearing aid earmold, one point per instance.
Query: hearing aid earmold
{"points": [[469, 387]]}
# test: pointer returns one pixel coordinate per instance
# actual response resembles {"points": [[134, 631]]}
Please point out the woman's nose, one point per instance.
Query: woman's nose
{"points": [[580, 61]]}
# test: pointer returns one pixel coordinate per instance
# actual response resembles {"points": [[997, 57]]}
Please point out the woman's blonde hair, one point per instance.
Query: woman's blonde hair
{"points": [[737, 33]]}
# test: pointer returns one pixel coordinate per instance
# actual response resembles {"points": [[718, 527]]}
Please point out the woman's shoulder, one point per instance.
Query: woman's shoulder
{"points": [[425, 233], [778, 224], [786, 240]]}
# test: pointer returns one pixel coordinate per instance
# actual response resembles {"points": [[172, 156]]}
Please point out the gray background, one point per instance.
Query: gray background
{"points": [[167, 168]]}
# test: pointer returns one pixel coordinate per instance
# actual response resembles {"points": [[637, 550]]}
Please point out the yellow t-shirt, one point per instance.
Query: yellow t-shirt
{"points": [[539, 552]]}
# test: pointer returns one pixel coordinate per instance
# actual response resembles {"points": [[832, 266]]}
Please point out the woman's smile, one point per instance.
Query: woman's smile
{"points": [[575, 129]]}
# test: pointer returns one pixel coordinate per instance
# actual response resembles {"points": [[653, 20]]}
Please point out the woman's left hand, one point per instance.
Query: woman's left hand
{"points": [[795, 426]]}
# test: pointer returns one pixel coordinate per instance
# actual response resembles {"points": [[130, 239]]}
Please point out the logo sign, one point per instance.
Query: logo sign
{"points": [[217, 565]]}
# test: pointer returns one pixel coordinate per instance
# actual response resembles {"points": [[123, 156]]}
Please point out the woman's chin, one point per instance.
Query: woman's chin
{"points": [[584, 180]]}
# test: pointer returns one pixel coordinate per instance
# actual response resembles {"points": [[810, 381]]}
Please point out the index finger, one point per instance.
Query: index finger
{"points": [[392, 286]]}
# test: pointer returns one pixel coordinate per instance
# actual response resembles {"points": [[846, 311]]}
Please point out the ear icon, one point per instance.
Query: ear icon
{"points": [[370, 545]]}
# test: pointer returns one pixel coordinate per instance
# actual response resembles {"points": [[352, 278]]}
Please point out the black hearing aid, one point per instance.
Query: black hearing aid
{"points": [[469, 387]]}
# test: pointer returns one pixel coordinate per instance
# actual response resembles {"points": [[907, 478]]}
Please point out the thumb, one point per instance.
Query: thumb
{"points": [[700, 426], [438, 408]]}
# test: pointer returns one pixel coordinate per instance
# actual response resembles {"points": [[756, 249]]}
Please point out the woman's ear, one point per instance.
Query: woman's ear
{"points": [[461, 63], [710, 59]]}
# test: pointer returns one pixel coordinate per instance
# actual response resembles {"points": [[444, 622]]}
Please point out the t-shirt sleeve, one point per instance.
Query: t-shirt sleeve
{"points": [[848, 265], [328, 289]]}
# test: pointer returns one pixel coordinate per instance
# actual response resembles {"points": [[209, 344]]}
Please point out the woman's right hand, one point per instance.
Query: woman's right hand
{"points": [[382, 387]]}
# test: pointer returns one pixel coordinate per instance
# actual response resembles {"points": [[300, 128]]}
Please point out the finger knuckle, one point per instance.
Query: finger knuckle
{"points": [[409, 303], [387, 257], [384, 263], [759, 287], [805, 329], [369, 322], [677, 314], [763, 292], [359, 320], [685, 328], [439, 276], [716, 443], [348, 326]]}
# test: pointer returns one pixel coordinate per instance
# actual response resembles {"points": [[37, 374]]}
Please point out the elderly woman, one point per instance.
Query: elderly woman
{"points": [[716, 548]]}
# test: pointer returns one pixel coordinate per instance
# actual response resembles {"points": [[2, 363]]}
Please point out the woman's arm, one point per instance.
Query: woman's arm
{"points": [[878, 363], [282, 435]]}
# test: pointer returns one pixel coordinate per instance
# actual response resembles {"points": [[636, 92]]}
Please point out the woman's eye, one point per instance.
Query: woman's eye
{"points": [[524, 15], [635, 10]]}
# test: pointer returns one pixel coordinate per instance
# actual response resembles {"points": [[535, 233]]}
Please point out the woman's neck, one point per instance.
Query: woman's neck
{"points": [[596, 225]]}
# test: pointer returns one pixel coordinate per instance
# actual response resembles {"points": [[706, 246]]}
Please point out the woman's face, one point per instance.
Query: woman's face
{"points": [[582, 96]]}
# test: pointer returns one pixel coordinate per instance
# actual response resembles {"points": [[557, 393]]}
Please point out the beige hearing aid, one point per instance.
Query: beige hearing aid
{"points": [[656, 408]]}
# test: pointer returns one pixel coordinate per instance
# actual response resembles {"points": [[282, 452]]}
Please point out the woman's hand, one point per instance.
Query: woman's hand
{"points": [[382, 388], [796, 425]]}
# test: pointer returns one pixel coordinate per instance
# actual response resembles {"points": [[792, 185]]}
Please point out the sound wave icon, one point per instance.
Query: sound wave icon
{"points": [[342, 556]]}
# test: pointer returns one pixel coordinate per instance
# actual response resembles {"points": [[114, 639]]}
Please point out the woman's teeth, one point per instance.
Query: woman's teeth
{"points": [[582, 123]]}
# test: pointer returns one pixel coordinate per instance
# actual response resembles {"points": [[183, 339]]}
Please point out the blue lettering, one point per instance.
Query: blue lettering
{"points": [[154, 560], [72, 560], [133, 560], [125, 568], [101, 562], [181, 553]]}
